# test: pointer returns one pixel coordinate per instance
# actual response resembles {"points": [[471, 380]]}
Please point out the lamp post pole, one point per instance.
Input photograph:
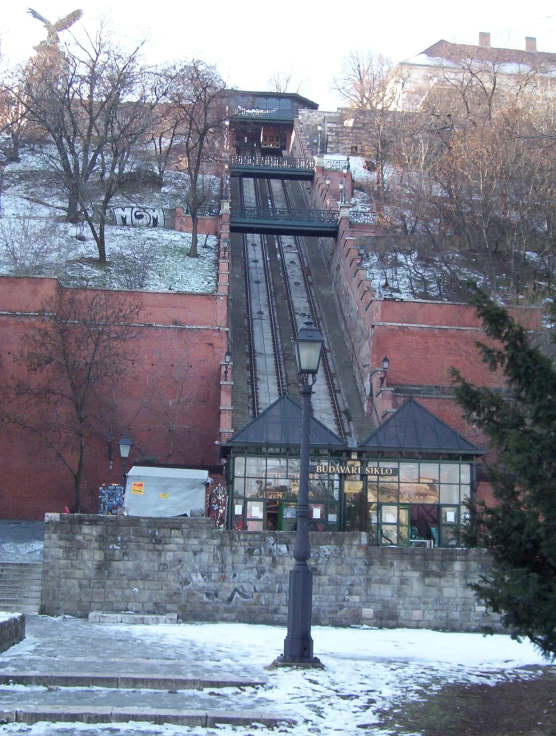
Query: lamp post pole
{"points": [[298, 644], [125, 446], [344, 188]]}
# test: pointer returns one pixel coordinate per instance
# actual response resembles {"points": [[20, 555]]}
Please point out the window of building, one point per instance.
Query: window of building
{"points": [[399, 502]]}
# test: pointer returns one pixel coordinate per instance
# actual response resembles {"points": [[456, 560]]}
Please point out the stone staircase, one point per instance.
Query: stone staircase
{"points": [[20, 586]]}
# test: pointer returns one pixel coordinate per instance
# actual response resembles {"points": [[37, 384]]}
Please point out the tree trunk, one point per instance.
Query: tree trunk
{"points": [[101, 242], [73, 206], [16, 140], [98, 234], [78, 476], [194, 224]]}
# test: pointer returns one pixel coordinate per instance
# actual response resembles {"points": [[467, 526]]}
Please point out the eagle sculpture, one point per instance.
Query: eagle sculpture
{"points": [[53, 29]]}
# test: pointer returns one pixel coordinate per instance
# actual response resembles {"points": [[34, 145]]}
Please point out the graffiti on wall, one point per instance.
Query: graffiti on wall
{"points": [[139, 216]]}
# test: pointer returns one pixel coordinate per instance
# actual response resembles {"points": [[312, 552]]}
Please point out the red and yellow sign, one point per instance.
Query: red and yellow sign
{"points": [[138, 488]]}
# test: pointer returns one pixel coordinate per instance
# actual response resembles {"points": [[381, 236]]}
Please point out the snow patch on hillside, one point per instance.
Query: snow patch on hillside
{"points": [[35, 239]]}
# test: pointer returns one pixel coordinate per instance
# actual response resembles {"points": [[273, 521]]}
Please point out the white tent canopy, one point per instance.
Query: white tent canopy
{"points": [[156, 491]]}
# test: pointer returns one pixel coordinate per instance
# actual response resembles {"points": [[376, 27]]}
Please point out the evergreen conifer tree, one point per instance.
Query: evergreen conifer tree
{"points": [[520, 531]]}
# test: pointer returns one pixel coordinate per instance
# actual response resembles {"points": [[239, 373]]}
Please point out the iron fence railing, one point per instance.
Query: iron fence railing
{"points": [[240, 112], [204, 210], [326, 217], [272, 162]]}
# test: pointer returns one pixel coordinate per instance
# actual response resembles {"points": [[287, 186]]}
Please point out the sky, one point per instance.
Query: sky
{"points": [[249, 45]]}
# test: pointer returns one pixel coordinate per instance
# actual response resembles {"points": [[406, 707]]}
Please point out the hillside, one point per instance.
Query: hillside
{"points": [[36, 241]]}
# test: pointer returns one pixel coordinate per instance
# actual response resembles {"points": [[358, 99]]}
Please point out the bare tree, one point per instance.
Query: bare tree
{"points": [[365, 81], [164, 134], [282, 82], [13, 120], [475, 87], [74, 357], [25, 243], [94, 101], [475, 185], [196, 94]]}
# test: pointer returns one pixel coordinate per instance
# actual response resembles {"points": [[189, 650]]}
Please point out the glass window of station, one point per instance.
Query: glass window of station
{"points": [[399, 502], [265, 494]]}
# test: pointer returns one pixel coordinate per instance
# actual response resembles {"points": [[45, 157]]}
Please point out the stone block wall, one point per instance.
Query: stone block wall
{"points": [[345, 131], [12, 629], [184, 566]]}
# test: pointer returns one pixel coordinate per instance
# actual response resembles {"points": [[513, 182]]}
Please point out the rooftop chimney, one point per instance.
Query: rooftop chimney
{"points": [[484, 40], [530, 43]]}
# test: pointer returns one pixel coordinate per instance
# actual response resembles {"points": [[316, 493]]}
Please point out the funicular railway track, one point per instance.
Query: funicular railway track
{"points": [[264, 345], [267, 370], [303, 303]]}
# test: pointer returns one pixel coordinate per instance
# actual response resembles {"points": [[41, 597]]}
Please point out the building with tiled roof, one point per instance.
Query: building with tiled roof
{"points": [[443, 62]]}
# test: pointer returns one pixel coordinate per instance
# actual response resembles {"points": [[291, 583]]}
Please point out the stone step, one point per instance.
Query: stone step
{"points": [[124, 682], [20, 586], [100, 617], [9, 584], [18, 583], [16, 607], [20, 575], [19, 580], [24, 597], [113, 714]]}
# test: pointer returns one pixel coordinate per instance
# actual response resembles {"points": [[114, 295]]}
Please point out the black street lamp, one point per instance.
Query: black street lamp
{"points": [[298, 644], [125, 446], [385, 366], [227, 363]]}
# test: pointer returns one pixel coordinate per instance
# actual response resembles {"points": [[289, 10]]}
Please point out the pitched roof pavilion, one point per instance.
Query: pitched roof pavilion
{"points": [[279, 425], [413, 428]]}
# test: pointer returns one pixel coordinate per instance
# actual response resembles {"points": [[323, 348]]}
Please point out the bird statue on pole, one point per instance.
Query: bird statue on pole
{"points": [[53, 29]]}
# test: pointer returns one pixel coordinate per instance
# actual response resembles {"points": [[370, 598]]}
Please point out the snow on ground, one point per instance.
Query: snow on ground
{"points": [[34, 239], [367, 670], [6, 615], [21, 551], [356, 166]]}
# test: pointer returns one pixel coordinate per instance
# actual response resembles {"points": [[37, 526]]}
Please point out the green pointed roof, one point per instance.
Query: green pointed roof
{"points": [[280, 426], [412, 428]]}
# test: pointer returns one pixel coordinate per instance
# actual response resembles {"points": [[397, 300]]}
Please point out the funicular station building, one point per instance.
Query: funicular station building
{"points": [[401, 474], [406, 484]]}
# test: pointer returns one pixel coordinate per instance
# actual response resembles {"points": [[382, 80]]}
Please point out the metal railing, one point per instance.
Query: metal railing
{"points": [[204, 210], [282, 214], [362, 218], [240, 112], [272, 162]]}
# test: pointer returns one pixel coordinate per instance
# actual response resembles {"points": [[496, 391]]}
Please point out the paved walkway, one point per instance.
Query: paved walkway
{"points": [[101, 673]]}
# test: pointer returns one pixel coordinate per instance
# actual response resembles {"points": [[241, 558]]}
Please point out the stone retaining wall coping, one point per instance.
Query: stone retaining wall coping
{"points": [[12, 630]]}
